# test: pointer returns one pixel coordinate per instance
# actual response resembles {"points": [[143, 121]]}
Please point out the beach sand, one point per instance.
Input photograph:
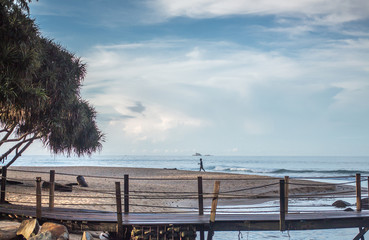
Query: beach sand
{"points": [[148, 183], [151, 190]]}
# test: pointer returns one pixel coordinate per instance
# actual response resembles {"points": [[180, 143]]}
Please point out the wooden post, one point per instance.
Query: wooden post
{"points": [[126, 194], [214, 204], [368, 190], [286, 192], [38, 198], [200, 194], [3, 184], [201, 204], [282, 204], [358, 192], [119, 210], [52, 189]]}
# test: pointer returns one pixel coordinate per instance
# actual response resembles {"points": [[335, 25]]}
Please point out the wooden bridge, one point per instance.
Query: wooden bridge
{"points": [[281, 220]]}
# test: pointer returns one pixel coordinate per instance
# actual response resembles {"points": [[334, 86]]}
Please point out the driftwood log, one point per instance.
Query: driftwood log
{"points": [[28, 228], [58, 187]]}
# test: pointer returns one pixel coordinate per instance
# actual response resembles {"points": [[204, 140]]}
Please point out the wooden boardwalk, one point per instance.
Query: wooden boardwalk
{"points": [[96, 220]]}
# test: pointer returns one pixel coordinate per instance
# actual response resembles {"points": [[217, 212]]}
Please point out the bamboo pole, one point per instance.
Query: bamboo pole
{"points": [[3, 184], [214, 204], [358, 192], [282, 204], [118, 198], [52, 189], [38, 198]]}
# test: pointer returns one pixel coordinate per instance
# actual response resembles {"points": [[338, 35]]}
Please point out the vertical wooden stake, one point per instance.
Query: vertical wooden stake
{"points": [[119, 209], [38, 198], [201, 204], [214, 204], [52, 189], [3, 184], [200, 196], [126, 194], [368, 190], [282, 204], [358, 192], [286, 192]]}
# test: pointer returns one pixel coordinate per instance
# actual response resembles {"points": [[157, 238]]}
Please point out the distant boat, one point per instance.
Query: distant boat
{"points": [[197, 154]]}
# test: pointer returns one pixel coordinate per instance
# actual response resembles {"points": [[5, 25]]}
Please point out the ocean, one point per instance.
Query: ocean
{"points": [[328, 168]]}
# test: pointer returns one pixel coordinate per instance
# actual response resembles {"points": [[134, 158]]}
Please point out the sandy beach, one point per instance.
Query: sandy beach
{"points": [[151, 190]]}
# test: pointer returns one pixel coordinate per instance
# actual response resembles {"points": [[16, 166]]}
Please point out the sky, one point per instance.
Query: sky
{"points": [[236, 77]]}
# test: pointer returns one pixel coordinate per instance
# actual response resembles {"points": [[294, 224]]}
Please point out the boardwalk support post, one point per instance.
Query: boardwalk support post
{"points": [[214, 204], [38, 198], [52, 189], [282, 211], [126, 194], [358, 192], [361, 233], [119, 210], [201, 204], [286, 192], [3, 184]]}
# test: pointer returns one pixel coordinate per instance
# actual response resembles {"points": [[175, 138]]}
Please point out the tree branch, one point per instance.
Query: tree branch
{"points": [[9, 132], [19, 153], [16, 147]]}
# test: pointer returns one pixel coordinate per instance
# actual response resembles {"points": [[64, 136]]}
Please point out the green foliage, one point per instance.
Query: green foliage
{"points": [[40, 88]]}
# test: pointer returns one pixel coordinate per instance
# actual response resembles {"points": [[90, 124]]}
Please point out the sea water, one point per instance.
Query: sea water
{"points": [[302, 167]]}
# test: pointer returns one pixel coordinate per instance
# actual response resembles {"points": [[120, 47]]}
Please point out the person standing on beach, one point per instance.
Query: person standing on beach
{"points": [[201, 165]]}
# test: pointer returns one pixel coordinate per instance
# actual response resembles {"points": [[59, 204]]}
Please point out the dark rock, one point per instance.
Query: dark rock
{"points": [[58, 187], [341, 204], [348, 210], [10, 182], [81, 181]]}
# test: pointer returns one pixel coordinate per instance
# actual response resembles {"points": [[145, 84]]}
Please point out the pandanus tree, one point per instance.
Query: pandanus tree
{"points": [[40, 91]]}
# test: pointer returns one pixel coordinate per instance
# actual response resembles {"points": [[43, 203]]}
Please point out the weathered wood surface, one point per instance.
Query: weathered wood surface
{"points": [[223, 222]]}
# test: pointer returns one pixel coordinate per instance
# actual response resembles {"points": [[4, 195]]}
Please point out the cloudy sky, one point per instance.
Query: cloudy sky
{"points": [[236, 77]]}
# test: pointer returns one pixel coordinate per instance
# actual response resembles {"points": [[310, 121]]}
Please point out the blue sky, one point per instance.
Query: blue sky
{"points": [[236, 77]]}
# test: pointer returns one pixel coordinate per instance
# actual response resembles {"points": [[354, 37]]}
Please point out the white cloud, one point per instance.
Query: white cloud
{"points": [[324, 11], [220, 88]]}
